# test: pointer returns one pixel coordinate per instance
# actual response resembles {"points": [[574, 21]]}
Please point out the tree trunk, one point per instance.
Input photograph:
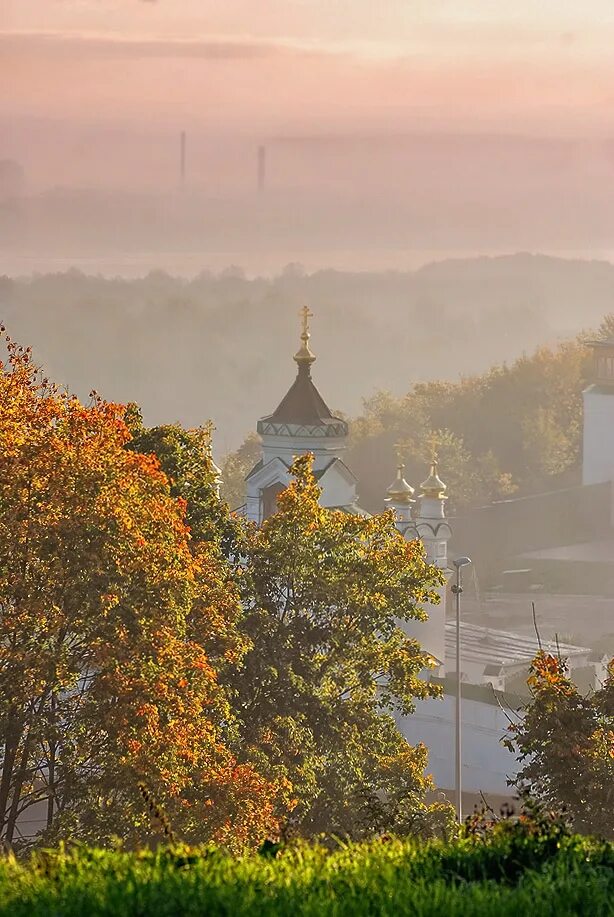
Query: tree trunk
{"points": [[19, 779], [51, 767], [14, 731]]}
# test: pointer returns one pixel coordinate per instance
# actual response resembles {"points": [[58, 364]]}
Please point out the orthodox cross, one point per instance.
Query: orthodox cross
{"points": [[433, 442], [305, 315]]}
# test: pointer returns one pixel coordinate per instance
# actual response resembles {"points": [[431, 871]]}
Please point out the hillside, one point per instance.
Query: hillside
{"points": [[220, 346]]}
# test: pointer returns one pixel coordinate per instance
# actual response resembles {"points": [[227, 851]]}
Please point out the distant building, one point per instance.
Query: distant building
{"points": [[495, 662], [598, 445], [301, 423]]}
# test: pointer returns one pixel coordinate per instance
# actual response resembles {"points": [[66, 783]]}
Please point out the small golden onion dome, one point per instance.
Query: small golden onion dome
{"points": [[434, 486], [400, 491], [304, 356]]}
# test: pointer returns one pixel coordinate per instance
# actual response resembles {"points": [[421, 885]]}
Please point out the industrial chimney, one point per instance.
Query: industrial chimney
{"points": [[182, 159], [261, 168]]}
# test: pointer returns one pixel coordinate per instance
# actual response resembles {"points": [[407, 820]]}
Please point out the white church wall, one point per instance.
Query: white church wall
{"points": [[324, 448], [487, 764], [338, 488], [430, 634], [598, 457]]}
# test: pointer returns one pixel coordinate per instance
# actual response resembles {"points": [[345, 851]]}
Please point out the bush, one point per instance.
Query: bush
{"points": [[512, 869]]}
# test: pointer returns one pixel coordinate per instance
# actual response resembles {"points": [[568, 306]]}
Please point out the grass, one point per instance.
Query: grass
{"points": [[509, 873]]}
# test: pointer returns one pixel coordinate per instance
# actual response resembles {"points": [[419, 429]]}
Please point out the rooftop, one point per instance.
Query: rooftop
{"points": [[485, 646], [303, 411], [302, 404], [585, 619]]}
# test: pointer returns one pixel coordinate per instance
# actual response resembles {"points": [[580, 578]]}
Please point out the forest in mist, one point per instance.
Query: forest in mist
{"points": [[220, 346]]}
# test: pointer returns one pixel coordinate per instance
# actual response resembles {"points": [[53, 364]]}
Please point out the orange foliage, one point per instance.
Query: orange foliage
{"points": [[106, 611]]}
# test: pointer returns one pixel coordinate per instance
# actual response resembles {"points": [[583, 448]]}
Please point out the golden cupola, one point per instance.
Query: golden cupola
{"points": [[434, 487], [400, 491]]}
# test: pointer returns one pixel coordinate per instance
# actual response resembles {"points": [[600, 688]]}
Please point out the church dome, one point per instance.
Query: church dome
{"points": [[400, 491], [433, 486], [303, 411]]}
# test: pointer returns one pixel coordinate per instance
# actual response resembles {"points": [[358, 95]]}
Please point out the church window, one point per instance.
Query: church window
{"points": [[268, 496]]}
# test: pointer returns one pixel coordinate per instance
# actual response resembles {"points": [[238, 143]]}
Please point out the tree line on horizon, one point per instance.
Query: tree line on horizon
{"points": [[219, 345]]}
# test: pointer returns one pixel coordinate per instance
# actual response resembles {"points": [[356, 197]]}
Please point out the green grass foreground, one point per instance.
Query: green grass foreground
{"points": [[508, 873]]}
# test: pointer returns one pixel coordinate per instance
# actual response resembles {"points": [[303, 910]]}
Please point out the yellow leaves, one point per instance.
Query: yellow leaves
{"points": [[548, 672]]}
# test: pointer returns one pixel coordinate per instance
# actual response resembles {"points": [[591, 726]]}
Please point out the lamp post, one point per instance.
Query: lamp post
{"points": [[457, 589]]}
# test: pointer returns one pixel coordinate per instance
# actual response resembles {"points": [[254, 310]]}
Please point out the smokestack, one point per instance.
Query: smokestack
{"points": [[182, 158], [261, 168]]}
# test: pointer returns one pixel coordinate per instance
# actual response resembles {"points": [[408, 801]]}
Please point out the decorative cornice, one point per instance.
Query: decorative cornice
{"points": [[433, 529], [334, 428]]}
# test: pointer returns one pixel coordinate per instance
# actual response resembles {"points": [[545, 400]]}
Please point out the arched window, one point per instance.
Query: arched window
{"points": [[268, 496]]}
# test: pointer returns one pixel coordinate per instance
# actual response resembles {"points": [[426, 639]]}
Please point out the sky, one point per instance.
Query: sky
{"points": [[96, 91], [279, 65]]}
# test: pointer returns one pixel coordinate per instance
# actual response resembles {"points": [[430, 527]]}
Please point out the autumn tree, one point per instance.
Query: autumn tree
{"points": [[606, 328], [186, 459], [235, 468], [513, 429], [565, 744], [326, 595], [106, 616]]}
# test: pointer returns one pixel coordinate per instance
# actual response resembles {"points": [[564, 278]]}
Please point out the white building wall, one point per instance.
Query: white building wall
{"points": [[487, 764], [337, 483], [338, 489], [431, 634], [598, 457], [324, 448], [434, 532]]}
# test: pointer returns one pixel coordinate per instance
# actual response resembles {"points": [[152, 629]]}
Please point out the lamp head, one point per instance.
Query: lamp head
{"points": [[461, 562]]}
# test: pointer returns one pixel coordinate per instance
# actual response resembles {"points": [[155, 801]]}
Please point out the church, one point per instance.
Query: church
{"points": [[494, 661]]}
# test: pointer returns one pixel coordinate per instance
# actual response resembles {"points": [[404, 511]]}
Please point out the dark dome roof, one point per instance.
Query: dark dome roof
{"points": [[303, 405]]}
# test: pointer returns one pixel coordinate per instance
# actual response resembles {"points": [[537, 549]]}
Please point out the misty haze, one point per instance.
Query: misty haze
{"points": [[306, 458]]}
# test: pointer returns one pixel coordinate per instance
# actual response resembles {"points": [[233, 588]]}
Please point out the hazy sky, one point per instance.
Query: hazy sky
{"points": [[276, 65], [96, 91]]}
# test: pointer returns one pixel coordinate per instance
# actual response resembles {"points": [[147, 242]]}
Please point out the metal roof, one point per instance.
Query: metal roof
{"points": [[485, 646], [303, 404]]}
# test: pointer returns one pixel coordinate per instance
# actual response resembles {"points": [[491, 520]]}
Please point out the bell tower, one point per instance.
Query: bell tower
{"points": [[425, 518], [301, 423]]}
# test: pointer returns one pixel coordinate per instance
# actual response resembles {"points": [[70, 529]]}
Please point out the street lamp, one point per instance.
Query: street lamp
{"points": [[457, 588]]}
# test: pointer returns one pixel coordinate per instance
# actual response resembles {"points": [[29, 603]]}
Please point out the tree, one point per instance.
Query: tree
{"points": [[236, 467], [325, 596], [106, 614], [606, 328], [565, 742], [185, 458], [513, 428]]}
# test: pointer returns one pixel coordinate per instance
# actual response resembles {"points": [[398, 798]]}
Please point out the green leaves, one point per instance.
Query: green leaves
{"points": [[566, 743], [324, 593]]}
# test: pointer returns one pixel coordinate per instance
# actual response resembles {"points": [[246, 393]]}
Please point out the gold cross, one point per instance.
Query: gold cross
{"points": [[432, 443], [306, 315]]}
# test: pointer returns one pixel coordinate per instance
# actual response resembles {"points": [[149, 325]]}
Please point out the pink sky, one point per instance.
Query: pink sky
{"points": [[282, 65], [96, 91]]}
